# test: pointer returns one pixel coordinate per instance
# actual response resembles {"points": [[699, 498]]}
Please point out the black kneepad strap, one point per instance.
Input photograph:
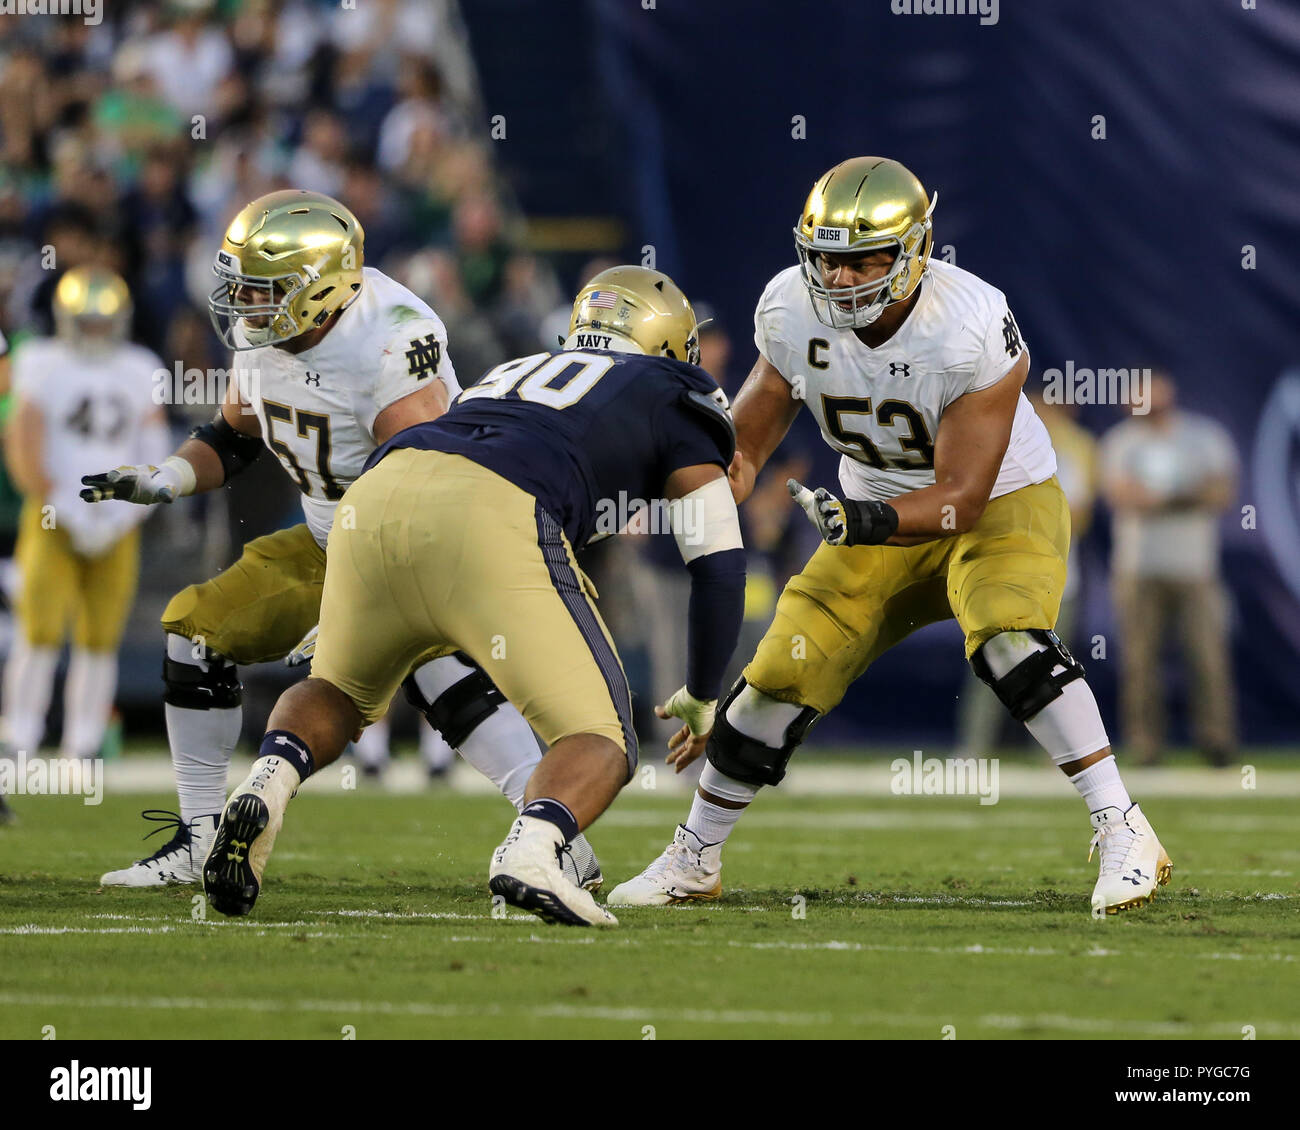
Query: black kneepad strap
{"points": [[461, 708], [746, 759], [1034, 682], [195, 689]]}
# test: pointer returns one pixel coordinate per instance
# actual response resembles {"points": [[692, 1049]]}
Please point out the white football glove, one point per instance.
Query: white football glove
{"points": [[143, 483], [696, 713], [824, 511], [304, 651]]}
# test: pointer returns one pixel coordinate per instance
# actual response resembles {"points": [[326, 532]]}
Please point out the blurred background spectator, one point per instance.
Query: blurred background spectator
{"points": [[1169, 475]]}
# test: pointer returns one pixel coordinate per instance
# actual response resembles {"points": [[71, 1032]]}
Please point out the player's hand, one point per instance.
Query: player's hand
{"points": [[824, 511], [145, 484], [690, 741], [304, 651]]}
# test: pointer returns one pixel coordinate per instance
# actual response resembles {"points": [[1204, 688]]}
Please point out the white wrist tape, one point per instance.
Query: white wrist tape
{"points": [[706, 520], [186, 480]]}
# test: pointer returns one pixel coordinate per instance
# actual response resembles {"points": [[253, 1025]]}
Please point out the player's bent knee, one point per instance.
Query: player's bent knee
{"points": [[460, 709], [1026, 669], [208, 683], [746, 759]]}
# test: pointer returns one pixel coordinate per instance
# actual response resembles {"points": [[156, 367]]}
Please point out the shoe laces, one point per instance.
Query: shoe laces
{"points": [[676, 852], [1115, 840], [182, 838]]}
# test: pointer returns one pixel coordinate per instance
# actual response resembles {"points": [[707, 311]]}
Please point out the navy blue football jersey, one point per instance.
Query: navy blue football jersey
{"points": [[578, 429]]}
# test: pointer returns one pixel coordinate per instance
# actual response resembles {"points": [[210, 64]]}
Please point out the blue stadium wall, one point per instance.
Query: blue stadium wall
{"points": [[1127, 251]]}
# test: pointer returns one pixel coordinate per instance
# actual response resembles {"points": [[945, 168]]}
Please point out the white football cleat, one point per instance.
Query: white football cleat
{"points": [[686, 871], [526, 871], [580, 865], [179, 860], [1133, 863], [232, 872]]}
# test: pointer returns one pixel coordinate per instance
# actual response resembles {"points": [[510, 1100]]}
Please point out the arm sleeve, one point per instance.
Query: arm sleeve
{"points": [[764, 324], [415, 353], [717, 609], [1000, 348]]}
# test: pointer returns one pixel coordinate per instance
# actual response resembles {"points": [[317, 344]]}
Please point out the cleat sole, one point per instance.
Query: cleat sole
{"points": [[228, 878], [537, 901]]}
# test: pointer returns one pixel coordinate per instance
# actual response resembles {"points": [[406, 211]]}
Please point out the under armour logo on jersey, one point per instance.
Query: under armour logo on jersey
{"points": [[423, 356], [1010, 335], [900, 369], [313, 379]]}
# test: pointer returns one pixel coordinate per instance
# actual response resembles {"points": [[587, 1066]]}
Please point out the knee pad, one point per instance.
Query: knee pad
{"points": [[191, 686], [743, 758], [1037, 679], [462, 707]]}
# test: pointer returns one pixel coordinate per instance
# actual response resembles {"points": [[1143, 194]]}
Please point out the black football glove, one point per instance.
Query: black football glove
{"points": [[845, 523]]}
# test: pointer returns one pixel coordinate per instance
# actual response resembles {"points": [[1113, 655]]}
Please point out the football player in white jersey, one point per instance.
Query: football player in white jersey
{"points": [[949, 507], [333, 358], [82, 398]]}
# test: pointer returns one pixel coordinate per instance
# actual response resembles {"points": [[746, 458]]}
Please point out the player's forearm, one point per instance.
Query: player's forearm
{"points": [[717, 609], [937, 511], [208, 471]]}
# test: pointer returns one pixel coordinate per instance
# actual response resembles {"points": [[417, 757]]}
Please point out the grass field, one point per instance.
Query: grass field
{"points": [[918, 913]]}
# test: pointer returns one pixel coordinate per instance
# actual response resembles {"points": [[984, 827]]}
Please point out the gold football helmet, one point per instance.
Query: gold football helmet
{"points": [[639, 306], [862, 205], [289, 260], [92, 307]]}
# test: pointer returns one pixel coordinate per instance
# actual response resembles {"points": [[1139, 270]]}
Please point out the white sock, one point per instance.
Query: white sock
{"points": [[202, 743], [712, 823], [28, 684], [437, 754], [502, 747], [1101, 787], [373, 745], [88, 701]]}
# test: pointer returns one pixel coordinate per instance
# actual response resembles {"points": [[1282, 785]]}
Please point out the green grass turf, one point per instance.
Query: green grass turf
{"points": [[921, 912]]}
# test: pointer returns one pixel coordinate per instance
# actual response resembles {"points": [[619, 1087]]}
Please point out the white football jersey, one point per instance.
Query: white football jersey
{"points": [[880, 407], [317, 408], [95, 409]]}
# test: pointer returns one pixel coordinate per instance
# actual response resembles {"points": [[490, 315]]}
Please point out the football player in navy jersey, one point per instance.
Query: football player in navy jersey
{"points": [[460, 536]]}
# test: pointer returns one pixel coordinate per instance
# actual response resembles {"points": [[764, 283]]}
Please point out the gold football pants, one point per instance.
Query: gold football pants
{"points": [[61, 589], [259, 608], [851, 604], [439, 554]]}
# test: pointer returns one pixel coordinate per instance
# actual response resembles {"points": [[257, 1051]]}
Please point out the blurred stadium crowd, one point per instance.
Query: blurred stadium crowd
{"points": [[130, 144]]}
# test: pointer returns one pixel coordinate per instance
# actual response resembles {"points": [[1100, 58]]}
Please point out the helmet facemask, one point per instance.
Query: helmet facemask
{"points": [[856, 307], [263, 314]]}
